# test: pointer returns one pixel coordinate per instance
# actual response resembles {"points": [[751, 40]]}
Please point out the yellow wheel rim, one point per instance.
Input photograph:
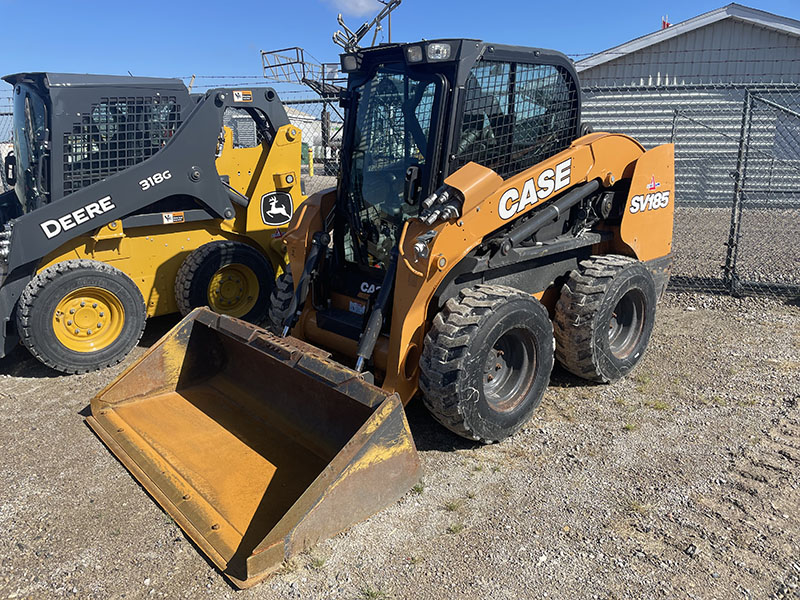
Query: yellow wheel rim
{"points": [[233, 290], [88, 319]]}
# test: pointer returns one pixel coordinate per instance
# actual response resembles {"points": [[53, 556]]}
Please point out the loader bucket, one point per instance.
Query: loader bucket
{"points": [[257, 446]]}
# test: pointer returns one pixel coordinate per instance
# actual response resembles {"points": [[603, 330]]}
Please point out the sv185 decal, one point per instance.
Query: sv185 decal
{"points": [[535, 190], [643, 202]]}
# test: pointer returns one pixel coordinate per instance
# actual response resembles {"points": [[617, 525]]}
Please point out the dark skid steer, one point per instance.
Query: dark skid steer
{"points": [[477, 234]]}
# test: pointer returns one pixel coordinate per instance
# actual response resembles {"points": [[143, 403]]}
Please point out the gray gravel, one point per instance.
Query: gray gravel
{"points": [[682, 481]]}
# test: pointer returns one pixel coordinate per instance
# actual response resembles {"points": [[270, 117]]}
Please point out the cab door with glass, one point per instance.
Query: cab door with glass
{"points": [[31, 148]]}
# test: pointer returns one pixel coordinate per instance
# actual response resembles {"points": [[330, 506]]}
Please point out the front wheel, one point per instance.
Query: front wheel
{"points": [[486, 362], [80, 315]]}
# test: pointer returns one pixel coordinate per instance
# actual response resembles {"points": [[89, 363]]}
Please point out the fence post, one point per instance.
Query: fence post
{"points": [[325, 120], [674, 126], [730, 277]]}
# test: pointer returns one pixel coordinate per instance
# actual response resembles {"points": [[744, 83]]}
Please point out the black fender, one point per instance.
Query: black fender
{"points": [[11, 288]]}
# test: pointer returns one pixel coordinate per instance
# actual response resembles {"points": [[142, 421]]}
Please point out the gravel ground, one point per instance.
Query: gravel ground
{"points": [[682, 481]]}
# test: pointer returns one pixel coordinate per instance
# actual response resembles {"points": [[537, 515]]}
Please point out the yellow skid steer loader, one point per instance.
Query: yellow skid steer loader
{"points": [[132, 200], [478, 233]]}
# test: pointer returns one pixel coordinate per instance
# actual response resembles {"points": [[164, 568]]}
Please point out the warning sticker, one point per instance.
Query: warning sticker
{"points": [[173, 218], [242, 96]]}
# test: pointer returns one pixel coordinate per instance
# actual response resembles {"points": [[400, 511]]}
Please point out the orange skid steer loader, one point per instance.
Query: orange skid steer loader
{"points": [[478, 233]]}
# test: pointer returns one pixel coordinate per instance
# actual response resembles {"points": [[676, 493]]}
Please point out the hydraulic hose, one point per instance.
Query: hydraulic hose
{"points": [[366, 345], [551, 213]]}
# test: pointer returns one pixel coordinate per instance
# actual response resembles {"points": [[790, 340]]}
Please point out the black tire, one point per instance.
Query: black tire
{"points": [[46, 334], [282, 295], [604, 317], [486, 362], [254, 275]]}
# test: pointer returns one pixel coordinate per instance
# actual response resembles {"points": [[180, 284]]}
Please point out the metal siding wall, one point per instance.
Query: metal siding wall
{"points": [[707, 148], [728, 51]]}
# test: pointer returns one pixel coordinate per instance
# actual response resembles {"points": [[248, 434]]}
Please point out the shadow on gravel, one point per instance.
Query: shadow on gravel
{"points": [[430, 435], [561, 378], [21, 363], [156, 328]]}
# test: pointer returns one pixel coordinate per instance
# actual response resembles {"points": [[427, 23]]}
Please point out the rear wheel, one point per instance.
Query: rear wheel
{"points": [[280, 300], [486, 362], [231, 278], [604, 317], [80, 315]]}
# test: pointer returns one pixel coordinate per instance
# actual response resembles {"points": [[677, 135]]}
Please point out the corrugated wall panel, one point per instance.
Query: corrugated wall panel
{"points": [[729, 51]]}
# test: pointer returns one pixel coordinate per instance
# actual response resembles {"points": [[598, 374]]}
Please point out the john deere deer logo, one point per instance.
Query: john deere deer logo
{"points": [[276, 208]]}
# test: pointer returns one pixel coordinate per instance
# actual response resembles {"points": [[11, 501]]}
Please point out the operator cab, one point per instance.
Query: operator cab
{"points": [[416, 113], [71, 131]]}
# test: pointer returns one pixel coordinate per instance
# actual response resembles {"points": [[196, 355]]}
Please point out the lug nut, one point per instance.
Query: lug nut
{"points": [[490, 377], [77, 331], [72, 311], [102, 314], [99, 325], [83, 304], [88, 332], [94, 305], [69, 323]]}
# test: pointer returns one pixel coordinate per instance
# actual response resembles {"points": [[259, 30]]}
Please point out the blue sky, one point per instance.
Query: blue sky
{"points": [[183, 37]]}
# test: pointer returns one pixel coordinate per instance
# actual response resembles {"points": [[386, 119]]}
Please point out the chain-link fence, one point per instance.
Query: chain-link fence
{"points": [[737, 169], [5, 140], [737, 166], [321, 123]]}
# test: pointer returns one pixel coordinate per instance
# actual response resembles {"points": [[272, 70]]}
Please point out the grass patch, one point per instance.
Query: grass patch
{"points": [[317, 563], [478, 468], [630, 427], [370, 593], [638, 508], [452, 505], [495, 469], [658, 405], [455, 528], [418, 488], [714, 401]]}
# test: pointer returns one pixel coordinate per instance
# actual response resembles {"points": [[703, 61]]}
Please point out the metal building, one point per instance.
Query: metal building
{"points": [[725, 87]]}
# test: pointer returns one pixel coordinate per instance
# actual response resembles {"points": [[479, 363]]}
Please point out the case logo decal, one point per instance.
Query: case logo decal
{"points": [[546, 184], [276, 208]]}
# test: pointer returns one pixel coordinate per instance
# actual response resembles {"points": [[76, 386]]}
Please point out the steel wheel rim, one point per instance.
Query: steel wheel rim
{"points": [[509, 368], [88, 319], [626, 324], [233, 290]]}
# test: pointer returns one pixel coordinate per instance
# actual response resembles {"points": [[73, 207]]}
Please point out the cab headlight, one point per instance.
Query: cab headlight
{"points": [[438, 51], [414, 54]]}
